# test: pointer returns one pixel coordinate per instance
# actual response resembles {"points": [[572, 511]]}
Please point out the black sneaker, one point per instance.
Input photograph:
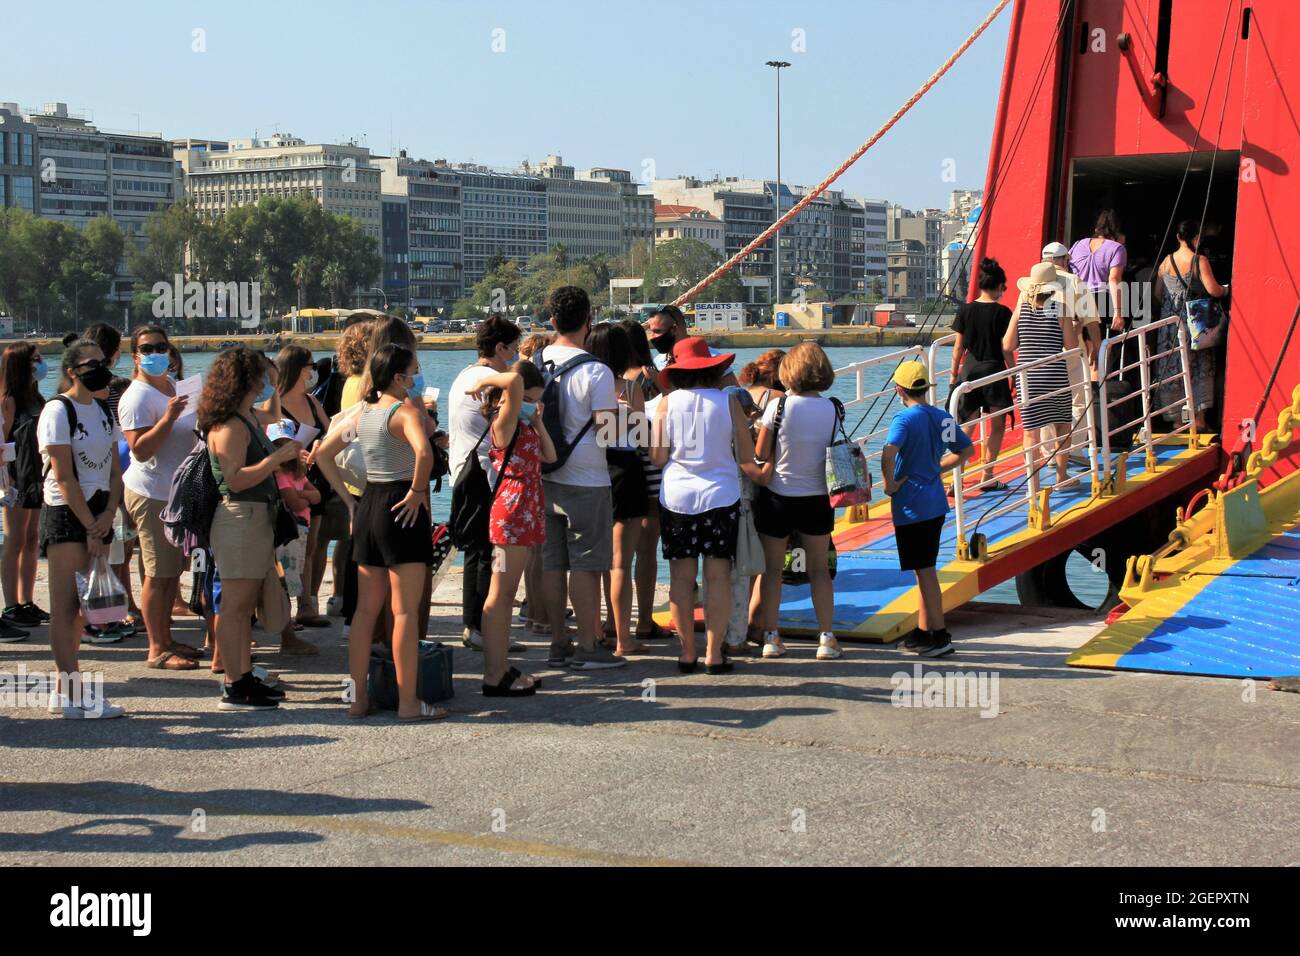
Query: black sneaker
{"points": [[938, 644], [246, 694], [274, 693], [17, 615], [916, 640], [11, 635], [39, 612]]}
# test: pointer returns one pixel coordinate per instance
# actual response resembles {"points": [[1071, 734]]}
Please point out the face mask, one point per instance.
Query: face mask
{"points": [[154, 364], [265, 394], [311, 379], [663, 343], [417, 385], [526, 412], [41, 370], [97, 379]]}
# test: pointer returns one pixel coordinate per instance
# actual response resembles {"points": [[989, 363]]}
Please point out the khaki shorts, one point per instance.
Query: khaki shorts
{"points": [[161, 558], [579, 528], [243, 540]]}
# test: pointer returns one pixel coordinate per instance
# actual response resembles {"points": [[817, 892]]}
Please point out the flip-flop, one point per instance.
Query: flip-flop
{"points": [[505, 687], [370, 710], [639, 649], [657, 632], [301, 649], [427, 712], [186, 650], [312, 621], [167, 661]]}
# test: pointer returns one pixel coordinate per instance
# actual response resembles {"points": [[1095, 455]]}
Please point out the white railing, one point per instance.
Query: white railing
{"points": [[1144, 363]]}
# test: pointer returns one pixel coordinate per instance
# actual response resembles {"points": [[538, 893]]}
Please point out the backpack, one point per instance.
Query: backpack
{"points": [[26, 471], [70, 407], [472, 497], [553, 406], [191, 501]]}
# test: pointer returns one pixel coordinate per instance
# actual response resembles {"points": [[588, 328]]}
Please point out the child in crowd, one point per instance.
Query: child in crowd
{"points": [[923, 443], [298, 495]]}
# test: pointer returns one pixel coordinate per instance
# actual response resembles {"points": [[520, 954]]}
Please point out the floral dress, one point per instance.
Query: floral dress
{"points": [[518, 516]]}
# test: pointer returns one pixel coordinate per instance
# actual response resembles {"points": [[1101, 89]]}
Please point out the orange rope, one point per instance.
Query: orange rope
{"points": [[839, 171]]}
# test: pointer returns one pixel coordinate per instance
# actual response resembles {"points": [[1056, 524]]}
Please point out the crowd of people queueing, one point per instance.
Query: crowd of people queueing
{"points": [[579, 459]]}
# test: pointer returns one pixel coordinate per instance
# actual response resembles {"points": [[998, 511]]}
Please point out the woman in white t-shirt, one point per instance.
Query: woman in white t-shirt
{"points": [[794, 433], [82, 489], [158, 426], [699, 436]]}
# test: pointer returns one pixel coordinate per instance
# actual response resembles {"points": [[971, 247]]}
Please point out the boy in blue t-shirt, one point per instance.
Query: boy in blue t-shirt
{"points": [[923, 443]]}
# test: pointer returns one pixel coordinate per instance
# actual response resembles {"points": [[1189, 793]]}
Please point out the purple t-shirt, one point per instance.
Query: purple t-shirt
{"points": [[1094, 267]]}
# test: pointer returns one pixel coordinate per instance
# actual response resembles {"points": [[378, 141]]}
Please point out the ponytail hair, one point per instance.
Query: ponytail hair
{"points": [[388, 362]]}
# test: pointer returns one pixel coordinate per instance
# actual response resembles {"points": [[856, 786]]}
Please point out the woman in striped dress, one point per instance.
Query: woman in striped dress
{"points": [[1040, 330]]}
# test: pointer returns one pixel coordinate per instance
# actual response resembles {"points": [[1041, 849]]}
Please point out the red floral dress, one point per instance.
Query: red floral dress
{"points": [[518, 515]]}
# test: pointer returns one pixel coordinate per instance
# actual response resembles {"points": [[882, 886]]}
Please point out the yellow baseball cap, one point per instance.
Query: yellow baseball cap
{"points": [[911, 376]]}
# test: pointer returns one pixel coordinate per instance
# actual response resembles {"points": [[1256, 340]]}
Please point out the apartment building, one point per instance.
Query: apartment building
{"points": [[19, 172], [689, 222], [422, 231]]}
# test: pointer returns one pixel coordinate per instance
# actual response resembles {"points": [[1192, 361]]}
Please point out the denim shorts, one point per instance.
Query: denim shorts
{"points": [[60, 525]]}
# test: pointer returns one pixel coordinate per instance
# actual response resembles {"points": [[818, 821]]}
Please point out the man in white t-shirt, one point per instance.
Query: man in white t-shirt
{"points": [[497, 340], [579, 508]]}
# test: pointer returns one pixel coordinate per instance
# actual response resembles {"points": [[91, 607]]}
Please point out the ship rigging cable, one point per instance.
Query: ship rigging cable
{"points": [[857, 154]]}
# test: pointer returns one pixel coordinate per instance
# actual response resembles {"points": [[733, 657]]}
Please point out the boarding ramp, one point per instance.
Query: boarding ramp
{"points": [[992, 536]]}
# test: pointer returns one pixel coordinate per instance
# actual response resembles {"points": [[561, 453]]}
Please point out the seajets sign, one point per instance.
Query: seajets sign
{"points": [[102, 909]]}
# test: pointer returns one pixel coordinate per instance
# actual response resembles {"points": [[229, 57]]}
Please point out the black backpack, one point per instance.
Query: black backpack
{"points": [[27, 471], [472, 497], [553, 406]]}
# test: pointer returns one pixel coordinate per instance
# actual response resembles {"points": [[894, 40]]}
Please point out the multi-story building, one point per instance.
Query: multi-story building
{"points": [[688, 222], [925, 227], [504, 217], [422, 202], [584, 215], [963, 201], [875, 237], [83, 171], [907, 270], [638, 207], [19, 173], [341, 177], [808, 242]]}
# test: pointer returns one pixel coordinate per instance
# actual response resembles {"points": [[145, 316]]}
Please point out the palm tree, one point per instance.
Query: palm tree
{"points": [[304, 270], [335, 279]]}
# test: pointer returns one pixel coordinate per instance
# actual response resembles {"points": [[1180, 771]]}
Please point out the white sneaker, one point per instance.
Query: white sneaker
{"points": [[828, 649], [334, 606], [102, 708], [773, 646]]}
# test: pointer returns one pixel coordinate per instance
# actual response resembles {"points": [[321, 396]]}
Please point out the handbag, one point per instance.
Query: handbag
{"points": [[432, 675], [1204, 315], [749, 547], [351, 461], [848, 482]]}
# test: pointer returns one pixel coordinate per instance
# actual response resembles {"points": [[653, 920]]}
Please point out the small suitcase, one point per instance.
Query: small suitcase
{"points": [[433, 678]]}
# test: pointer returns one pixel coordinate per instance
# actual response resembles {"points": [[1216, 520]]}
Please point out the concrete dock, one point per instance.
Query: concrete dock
{"points": [[782, 762]]}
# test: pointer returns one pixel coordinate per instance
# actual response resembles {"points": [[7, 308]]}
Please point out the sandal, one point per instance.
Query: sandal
{"points": [[300, 649], [657, 632], [185, 650], [312, 621], [169, 661], [726, 667], [505, 686], [370, 709], [427, 712]]}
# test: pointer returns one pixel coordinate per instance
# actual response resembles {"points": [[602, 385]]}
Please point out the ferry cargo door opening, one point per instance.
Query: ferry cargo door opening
{"points": [[1144, 191]]}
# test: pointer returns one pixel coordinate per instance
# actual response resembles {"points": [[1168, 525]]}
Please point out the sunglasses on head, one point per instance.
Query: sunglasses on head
{"points": [[159, 348]]}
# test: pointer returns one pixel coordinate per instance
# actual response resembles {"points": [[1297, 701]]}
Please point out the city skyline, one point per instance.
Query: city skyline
{"points": [[493, 54]]}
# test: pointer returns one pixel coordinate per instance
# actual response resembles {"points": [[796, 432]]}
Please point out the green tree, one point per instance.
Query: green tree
{"points": [[683, 262], [335, 279], [304, 273]]}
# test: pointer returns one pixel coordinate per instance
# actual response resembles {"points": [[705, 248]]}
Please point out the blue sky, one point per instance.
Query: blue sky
{"points": [[679, 84]]}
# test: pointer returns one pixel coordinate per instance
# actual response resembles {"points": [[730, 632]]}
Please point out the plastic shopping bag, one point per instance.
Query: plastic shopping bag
{"points": [[103, 599], [292, 556]]}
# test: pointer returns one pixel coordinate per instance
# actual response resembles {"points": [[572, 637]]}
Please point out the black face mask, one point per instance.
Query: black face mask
{"points": [[663, 343], [96, 379]]}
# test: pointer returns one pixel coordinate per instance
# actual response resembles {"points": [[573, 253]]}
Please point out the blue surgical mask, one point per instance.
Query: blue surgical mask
{"points": [[267, 391], [417, 385], [41, 370], [154, 363], [526, 412]]}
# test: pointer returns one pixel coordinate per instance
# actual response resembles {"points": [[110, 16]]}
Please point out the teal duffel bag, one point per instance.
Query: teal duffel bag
{"points": [[433, 676]]}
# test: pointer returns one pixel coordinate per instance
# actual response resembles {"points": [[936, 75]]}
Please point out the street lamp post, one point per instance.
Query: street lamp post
{"points": [[777, 66]]}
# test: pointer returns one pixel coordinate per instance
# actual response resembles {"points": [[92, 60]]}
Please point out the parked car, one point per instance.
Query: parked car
{"points": [[436, 328], [416, 327], [456, 326]]}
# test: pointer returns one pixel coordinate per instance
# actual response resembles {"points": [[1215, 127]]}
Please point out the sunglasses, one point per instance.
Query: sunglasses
{"points": [[91, 364], [160, 348]]}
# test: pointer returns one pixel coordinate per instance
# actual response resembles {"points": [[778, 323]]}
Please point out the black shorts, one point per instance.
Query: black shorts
{"points": [[60, 525], [711, 534], [628, 487], [779, 516], [993, 397], [378, 541], [918, 544]]}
